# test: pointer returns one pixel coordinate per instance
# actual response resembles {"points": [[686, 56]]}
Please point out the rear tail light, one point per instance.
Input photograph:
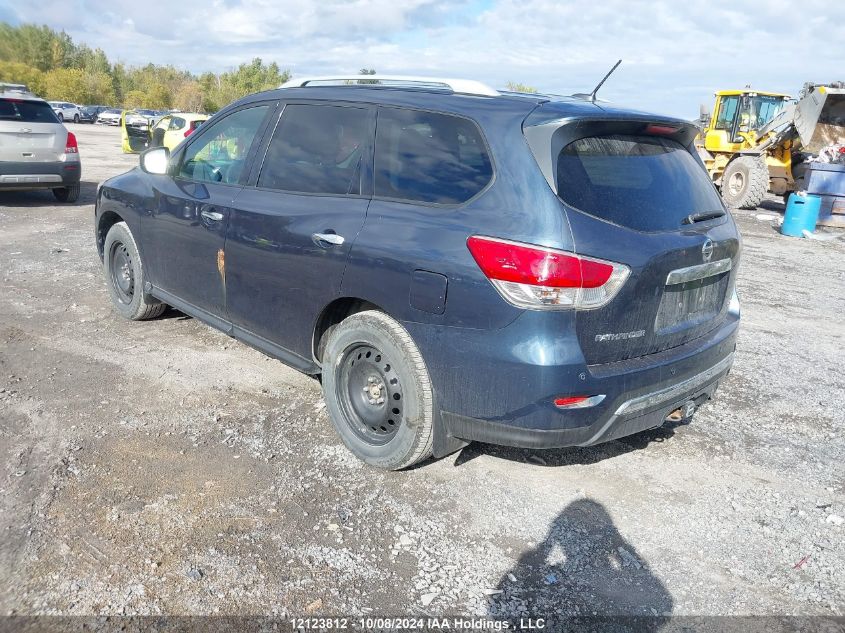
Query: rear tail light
{"points": [[541, 278], [577, 402], [188, 132], [70, 145]]}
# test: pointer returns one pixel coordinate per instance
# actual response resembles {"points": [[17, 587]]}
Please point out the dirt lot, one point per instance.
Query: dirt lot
{"points": [[162, 467]]}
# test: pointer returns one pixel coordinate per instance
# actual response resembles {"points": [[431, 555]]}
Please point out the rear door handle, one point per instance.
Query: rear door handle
{"points": [[331, 238], [214, 216]]}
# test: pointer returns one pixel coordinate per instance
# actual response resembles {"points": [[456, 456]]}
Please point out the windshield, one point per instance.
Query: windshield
{"points": [[26, 111], [763, 109], [646, 183]]}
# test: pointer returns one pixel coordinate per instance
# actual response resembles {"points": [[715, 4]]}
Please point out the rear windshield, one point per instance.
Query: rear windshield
{"points": [[646, 183], [26, 111]]}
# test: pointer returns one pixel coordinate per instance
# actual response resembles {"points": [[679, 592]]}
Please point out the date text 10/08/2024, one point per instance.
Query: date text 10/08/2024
{"points": [[416, 623]]}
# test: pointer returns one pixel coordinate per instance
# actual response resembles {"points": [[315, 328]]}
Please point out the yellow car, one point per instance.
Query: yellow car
{"points": [[172, 129], [139, 133]]}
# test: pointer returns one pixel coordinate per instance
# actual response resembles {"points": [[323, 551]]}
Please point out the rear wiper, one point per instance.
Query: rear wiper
{"points": [[692, 218]]}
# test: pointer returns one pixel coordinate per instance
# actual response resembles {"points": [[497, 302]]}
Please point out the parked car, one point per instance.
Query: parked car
{"points": [[135, 132], [172, 129], [89, 114], [111, 116], [66, 111], [523, 270], [36, 150]]}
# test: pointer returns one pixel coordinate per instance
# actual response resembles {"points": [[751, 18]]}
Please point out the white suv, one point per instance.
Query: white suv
{"points": [[36, 150], [65, 111]]}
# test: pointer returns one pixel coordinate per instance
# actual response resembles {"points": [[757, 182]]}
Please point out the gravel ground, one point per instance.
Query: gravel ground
{"points": [[163, 468]]}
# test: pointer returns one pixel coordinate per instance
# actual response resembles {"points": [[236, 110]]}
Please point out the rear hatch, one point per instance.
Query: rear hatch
{"points": [[30, 131], [636, 194]]}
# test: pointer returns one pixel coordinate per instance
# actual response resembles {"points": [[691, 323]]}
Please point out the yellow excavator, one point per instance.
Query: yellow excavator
{"points": [[756, 141]]}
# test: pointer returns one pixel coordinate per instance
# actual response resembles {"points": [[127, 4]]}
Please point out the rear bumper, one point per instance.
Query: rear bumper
{"points": [[23, 176], [499, 387], [646, 411]]}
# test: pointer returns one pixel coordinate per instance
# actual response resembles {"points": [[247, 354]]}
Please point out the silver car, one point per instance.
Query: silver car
{"points": [[36, 150], [66, 111]]}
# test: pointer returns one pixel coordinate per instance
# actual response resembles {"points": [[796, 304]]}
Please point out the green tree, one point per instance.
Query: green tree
{"points": [[19, 73], [157, 97], [65, 84], [188, 97], [367, 71], [52, 65], [98, 88], [134, 99], [518, 87]]}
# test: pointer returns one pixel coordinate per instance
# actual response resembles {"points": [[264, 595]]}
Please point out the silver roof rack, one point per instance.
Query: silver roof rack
{"points": [[459, 86]]}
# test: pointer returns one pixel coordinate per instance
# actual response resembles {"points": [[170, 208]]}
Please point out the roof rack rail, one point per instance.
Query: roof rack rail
{"points": [[458, 86]]}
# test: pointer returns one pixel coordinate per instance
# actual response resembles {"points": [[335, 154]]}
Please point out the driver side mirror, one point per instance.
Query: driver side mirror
{"points": [[154, 161]]}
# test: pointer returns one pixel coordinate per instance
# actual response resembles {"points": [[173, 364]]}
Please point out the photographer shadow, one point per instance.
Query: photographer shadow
{"points": [[583, 570]]}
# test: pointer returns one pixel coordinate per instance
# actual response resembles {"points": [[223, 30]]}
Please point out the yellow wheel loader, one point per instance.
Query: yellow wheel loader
{"points": [[756, 141]]}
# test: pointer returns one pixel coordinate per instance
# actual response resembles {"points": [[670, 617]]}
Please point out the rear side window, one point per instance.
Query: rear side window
{"points": [[317, 149], [429, 157], [646, 183], [26, 111]]}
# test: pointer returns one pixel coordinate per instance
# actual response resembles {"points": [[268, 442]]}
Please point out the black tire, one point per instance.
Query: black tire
{"points": [[745, 182], [383, 409], [61, 117], [76, 118], [67, 194], [125, 276]]}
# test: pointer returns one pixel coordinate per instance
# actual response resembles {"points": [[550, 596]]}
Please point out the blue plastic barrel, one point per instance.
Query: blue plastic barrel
{"points": [[802, 213]]}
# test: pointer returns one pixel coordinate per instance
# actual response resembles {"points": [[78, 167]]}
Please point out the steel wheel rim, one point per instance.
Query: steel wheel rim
{"points": [[736, 183], [370, 394], [122, 273]]}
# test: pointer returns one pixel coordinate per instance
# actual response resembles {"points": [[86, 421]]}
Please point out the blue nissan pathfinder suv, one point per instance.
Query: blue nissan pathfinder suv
{"points": [[456, 263]]}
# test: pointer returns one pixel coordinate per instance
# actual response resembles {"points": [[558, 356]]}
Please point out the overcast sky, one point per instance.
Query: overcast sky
{"points": [[675, 53]]}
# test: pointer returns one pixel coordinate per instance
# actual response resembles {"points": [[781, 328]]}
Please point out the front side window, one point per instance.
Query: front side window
{"points": [[176, 123], [317, 149], [219, 154], [764, 109], [429, 157], [727, 113]]}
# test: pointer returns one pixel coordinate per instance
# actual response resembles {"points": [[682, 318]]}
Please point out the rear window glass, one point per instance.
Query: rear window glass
{"points": [[646, 183], [317, 149], [429, 157], [26, 111]]}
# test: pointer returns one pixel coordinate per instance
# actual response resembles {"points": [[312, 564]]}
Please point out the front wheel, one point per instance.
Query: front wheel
{"points": [[61, 117], [124, 273], [378, 392], [76, 118], [745, 182]]}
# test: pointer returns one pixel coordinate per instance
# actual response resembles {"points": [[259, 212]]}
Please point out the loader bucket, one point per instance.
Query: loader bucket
{"points": [[820, 119]]}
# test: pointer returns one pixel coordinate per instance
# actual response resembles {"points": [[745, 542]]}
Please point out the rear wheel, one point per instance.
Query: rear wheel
{"points": [[67, 194], [745, 182], [378, 392], [76, 118], [125, 276]]}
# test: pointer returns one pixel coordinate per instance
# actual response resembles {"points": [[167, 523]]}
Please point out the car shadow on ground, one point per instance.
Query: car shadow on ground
{"points": [[583, 567], [575, 455], [45, 197]]}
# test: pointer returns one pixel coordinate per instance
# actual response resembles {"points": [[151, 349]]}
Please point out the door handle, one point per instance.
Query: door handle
{"points": [[214, 216], [330, 238]]}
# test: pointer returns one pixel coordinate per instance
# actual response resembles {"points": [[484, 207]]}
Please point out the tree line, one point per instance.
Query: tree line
{"points": [[56, 68]]}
